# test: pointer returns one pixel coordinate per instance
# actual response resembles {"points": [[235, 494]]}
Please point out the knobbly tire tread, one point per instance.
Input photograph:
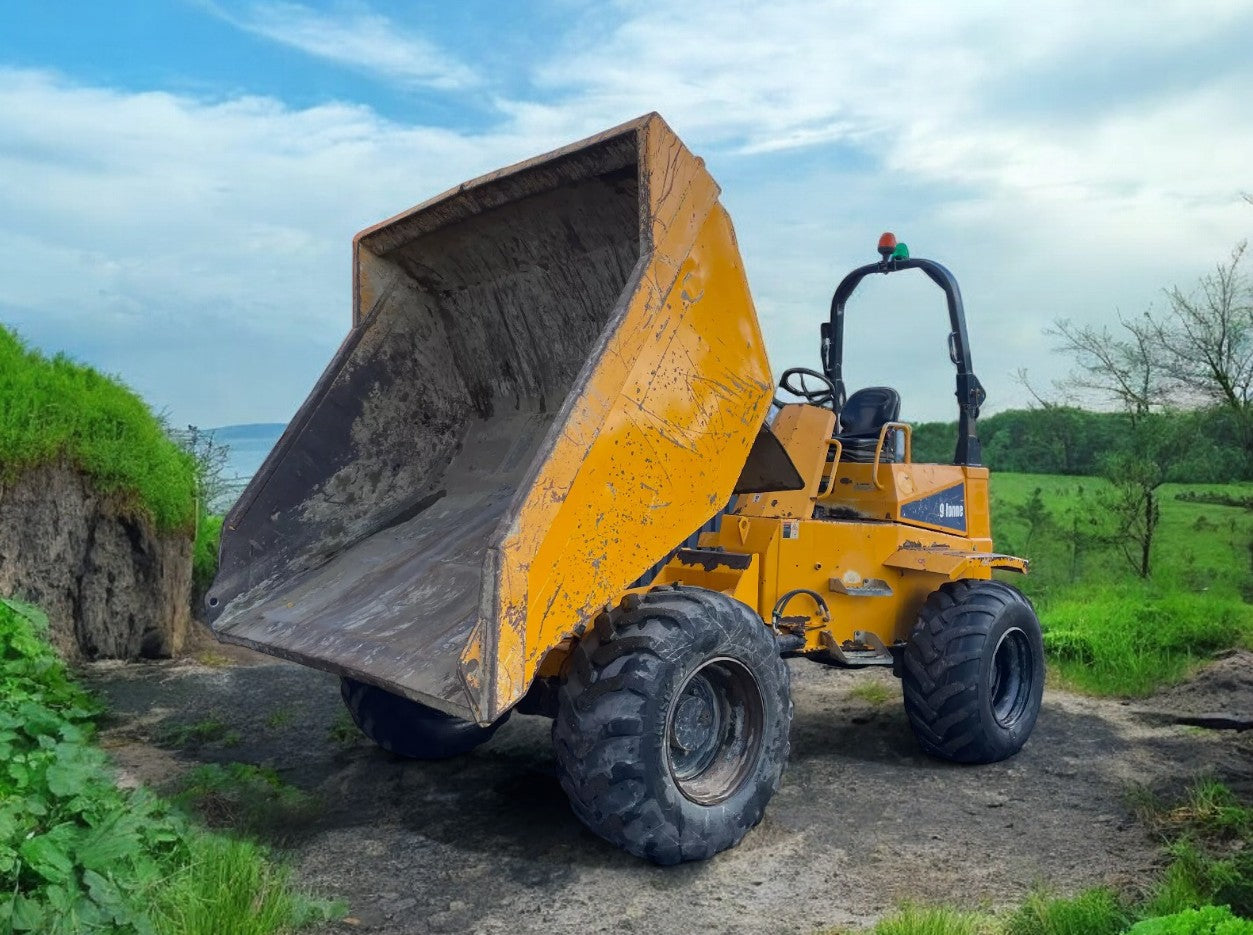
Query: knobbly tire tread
{"points": [[408, 728], [610, 729], [943, 676]]}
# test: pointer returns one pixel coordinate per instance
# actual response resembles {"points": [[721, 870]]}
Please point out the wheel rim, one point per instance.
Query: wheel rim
{"points": [[714, 731], [1010, 678]]}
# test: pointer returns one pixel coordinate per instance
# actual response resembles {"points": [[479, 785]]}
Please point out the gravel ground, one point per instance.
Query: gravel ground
{"points": [[486, 843]]}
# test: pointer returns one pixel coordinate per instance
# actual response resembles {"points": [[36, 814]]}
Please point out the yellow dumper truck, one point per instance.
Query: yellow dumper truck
{"points": [[555, 374]]}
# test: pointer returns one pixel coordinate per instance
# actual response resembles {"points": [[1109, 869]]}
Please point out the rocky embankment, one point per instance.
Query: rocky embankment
{"points": [[111, 585]]}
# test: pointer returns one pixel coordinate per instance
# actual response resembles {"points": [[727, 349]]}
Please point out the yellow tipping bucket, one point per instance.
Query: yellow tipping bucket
{"points": [[555, 373]]}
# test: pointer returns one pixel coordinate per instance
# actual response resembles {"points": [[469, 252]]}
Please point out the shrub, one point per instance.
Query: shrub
{"points": [[79, 854], [1211, 920]]}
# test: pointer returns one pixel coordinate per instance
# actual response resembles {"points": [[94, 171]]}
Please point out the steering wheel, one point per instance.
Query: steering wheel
{"points": [[793, 380]]}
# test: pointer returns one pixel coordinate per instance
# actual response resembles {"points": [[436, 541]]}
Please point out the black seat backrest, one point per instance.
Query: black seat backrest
{"points": [[866, 411]]}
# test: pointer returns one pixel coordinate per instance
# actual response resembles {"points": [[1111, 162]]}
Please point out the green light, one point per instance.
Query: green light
{"points": [[901, 252]]}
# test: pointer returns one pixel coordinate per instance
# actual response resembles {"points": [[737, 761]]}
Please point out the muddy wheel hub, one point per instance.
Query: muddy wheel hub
{"points": [[714, 731]]}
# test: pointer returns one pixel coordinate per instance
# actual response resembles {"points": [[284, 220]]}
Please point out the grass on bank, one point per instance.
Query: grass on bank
{"points": [[204, 562], [78, 854], [1205, 889], [53, 409], [1106, 630]]}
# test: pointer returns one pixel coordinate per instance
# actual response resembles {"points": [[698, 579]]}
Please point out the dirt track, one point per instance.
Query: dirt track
{"points": [[863, 821]]}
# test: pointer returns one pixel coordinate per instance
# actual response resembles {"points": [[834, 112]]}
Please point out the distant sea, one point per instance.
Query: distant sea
{"points": [[247, 446]]}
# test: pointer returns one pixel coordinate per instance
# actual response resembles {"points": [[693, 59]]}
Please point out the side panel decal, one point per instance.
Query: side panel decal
{"points": [[946, 508]]}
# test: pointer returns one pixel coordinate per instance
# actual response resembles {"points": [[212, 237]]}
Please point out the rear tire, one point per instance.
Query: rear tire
{"points": [[672, 725], [408, 728], [973, 672]]}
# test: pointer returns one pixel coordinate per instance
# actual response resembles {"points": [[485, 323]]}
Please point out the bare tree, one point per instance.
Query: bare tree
{"points": [[1198, 351], [1124, 367], [1205, 341]]}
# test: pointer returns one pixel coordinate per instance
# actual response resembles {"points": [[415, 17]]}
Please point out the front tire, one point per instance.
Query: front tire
{"points": [[672, 725], [408, 728], [973, 672]]}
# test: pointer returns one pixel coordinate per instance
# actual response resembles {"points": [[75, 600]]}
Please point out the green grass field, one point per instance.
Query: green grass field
{"points": [[1108, 631]]}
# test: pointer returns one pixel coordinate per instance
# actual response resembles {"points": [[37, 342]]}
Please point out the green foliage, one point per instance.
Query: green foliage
{"points": [[872, 692], [1106, 631], [1244, 502], [53, 409], [1094, 912], [211, 729], [1127, 639], [1197, 877], [1210, 920], [204, 562], [78, 854], [1207, 887], [936, 921], [231, 886], [1066, 440], [1209, 838], [1213, 810], [251, 798], [343, 732]]}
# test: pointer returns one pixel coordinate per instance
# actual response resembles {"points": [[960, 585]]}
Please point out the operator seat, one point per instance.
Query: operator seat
{"points": [[862, 417]]}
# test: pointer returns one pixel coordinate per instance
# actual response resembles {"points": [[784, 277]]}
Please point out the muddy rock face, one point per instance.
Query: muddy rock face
{"points": [[112, 587]]}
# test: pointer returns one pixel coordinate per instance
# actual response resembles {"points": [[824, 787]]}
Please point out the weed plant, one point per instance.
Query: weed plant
{"points": [[78, 854], [246, 797]]}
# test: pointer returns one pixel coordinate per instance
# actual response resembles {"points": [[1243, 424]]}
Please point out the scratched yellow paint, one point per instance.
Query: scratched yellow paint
{"points": [[836, 556], [802, 430], [653, 442]]}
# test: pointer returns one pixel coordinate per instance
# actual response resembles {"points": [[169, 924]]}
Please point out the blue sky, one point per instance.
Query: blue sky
{"points": [[180, 181]]}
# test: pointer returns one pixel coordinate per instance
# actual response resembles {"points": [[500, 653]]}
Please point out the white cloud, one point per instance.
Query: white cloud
{"points": [[139, 230], [1070, 159], [1070, 162], [358, 39]]}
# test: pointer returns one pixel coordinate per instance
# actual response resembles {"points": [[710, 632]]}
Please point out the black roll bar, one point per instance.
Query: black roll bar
{"points": [[970, 392]]}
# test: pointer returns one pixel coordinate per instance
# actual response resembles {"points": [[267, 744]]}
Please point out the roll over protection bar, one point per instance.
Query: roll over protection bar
{"points": [[970, 392]]}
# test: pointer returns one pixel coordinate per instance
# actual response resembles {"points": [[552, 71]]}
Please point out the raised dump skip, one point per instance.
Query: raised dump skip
{"points": [[554, 375]]}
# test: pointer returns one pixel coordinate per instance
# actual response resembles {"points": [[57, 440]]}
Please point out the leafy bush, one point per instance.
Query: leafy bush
{"points": [[1211, 920], [53, 409], [79, 854]]}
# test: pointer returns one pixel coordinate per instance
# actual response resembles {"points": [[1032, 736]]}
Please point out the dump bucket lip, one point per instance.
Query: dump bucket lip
{"points": [[630, 127]]}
